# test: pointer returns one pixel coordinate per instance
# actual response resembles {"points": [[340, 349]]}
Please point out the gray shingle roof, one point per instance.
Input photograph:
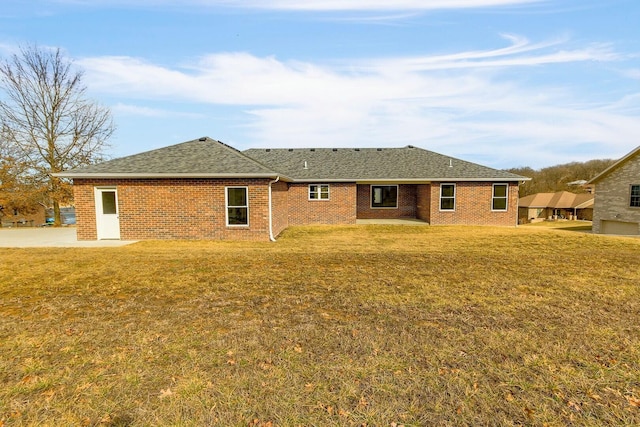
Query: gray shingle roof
{"points": [[206, 157], [375, 164], [200, 157]]}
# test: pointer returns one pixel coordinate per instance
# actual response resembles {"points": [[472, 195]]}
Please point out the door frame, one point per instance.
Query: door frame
{"points": [[100, 220]]}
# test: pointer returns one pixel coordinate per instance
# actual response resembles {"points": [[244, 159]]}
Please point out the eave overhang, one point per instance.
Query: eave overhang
{"points": [[113, 175], [408, 180]]}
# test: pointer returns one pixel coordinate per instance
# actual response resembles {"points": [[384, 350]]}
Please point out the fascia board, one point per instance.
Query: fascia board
{"points": [[408, 181], [166, 175]]}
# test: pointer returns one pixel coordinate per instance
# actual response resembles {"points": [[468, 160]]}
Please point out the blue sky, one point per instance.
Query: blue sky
{"points": [[504, 83]]}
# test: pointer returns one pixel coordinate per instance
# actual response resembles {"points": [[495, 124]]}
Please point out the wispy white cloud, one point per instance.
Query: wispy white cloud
{"points": [[633, 73], [317, 5], [137, 110], [516, 54], [460, 103], [372, 4]]}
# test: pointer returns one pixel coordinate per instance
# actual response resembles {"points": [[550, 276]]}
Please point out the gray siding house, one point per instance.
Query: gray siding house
{"points": [[617, 197]]}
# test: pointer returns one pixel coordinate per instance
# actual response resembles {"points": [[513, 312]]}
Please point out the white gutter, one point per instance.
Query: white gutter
{"points": [[406, 181], [273, 239], [101, 175]]}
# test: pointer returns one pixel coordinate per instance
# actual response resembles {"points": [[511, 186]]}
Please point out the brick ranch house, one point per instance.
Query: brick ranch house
{"points": [[558, 205], [617, 197], [205, 189]]}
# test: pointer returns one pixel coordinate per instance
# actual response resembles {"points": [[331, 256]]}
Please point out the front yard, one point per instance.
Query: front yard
{"points": [[364, 325]]}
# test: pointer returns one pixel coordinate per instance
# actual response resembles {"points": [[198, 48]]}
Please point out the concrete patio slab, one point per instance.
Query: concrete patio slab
{"points": [[49, 237]]}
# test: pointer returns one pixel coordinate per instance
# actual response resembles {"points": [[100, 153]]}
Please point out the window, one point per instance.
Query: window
{"points": [[447, 197], [384, 196], [635, 196], [499, 200], [319, 192], [109, 206], [237, 206]]}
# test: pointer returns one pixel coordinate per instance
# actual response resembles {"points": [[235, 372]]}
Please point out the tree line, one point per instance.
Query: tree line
{"points": [[47, 125], [560, 177]]}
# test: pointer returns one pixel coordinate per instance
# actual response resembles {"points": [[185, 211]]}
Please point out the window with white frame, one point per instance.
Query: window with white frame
{"points": [[500, 196], [447, 197], [319, 192], [237, 202], [634, 200], [384, 196]]}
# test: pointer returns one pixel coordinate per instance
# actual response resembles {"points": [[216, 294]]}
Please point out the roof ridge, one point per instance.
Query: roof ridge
{"points": [[231, 148], [615, 166]]}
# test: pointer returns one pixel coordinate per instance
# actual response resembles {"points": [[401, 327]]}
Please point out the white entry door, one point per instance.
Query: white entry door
{"points": [[107, 217]]}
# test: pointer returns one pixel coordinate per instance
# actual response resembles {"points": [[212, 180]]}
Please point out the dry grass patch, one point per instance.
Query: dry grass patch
{"points": [[366, 325]]}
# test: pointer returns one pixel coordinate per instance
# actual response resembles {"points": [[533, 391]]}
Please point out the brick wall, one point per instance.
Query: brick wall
{"points": [[174, 208], [423, 196], [339, 209], [195, 208], [612, 195], [473, 206], [280, 207], [407, 208]]}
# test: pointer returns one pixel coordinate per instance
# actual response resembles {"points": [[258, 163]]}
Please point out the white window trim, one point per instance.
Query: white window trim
{"points": [[506, 197], [455, 196], [319, 199], [226, 206], [384, 207]]}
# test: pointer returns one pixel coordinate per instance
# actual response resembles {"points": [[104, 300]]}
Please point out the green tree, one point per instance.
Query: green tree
{"points": [[48, 119]]}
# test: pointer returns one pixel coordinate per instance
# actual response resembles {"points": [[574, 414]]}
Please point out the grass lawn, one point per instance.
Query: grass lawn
{"points": [[329, 326]]}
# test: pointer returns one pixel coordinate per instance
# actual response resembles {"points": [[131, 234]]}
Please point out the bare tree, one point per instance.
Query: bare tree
{"points": [[47, 117]]}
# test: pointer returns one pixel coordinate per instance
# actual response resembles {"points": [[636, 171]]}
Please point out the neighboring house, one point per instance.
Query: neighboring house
{"points": [[617, 197], [205, 189], [21, 217], [559, 205]]}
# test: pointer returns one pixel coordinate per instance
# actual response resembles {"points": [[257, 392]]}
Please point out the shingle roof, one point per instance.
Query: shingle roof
{"points": [[558, 200], [204, 157], [361, 164]]}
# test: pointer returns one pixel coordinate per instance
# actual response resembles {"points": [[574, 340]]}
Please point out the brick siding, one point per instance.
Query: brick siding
{"points": [[423, 196], [339, 209], [174, 208], [280, 207], [406, 203], [612, 195], [195, 208], [473, 206]]}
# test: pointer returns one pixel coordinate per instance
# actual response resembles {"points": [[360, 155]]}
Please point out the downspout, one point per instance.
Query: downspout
{"points": [[273, 239]]}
